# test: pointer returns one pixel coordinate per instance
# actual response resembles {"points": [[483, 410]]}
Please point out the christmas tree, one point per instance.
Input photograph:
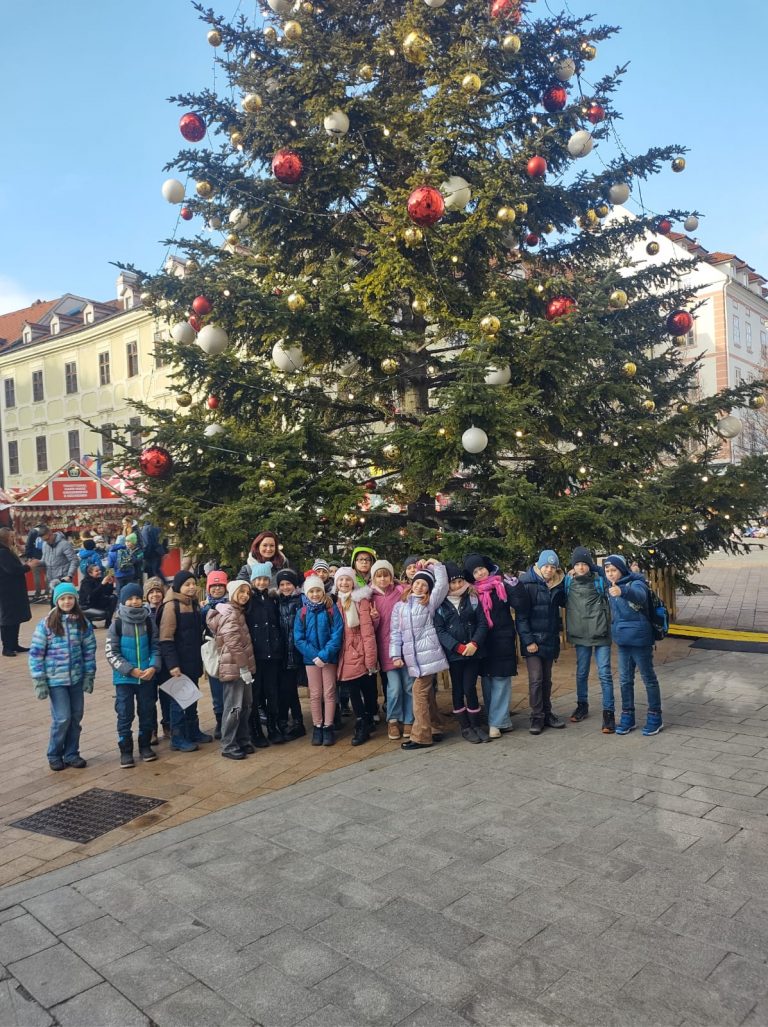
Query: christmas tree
{"points": [[409, 316]]}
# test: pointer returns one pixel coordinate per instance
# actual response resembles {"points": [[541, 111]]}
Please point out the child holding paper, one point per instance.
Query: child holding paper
{"points": [[181, 629]]}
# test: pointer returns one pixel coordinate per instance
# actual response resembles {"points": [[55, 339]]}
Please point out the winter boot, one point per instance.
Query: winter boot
{"points": [[125, 745], [609, 722], [274, 734], [552, 720], [626, 722], [468, 733], [362, 734], [580, 713], [258, 738], [329, 735], [537, 725], [146, 752], [296, 730], [476, 723], [653, 723], [217, 730], [317, 734], [194, 734]]}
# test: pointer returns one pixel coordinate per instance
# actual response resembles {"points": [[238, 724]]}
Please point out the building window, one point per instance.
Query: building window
{"points": [[748, 336], [132, 358], [41, 450], [70, 377], [38, 394], [10, 393], [160, 359], [764, 345], [13, 458], [736, 331], [134, 426], [738, 375], [107, 443], [73, 441], [104, 373]]}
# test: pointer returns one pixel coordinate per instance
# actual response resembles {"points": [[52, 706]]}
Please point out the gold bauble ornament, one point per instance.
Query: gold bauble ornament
{"points": [[214, 37], [588, 51], [630, 369], [390, 365], [307, 7], [267, 486], [490, 325], [233, 239], [412, 236], [365, 73], [603, 210], [678, 164], [506, 214], [649, 405], [270, 34], [292, 31], [184, 399], [296, 302], [419, 306], [652, 248], [511, 43], [204, 190], [683, 408], [236, 138], [591, 217], [391, 452], [252, 103], [548, 229], [416, 47], [757, 402], [521, 208], [471, 83], [618, 299]]}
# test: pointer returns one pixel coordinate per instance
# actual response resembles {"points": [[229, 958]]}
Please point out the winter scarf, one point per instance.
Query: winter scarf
{"points": [[348, 606], [485, 590]]}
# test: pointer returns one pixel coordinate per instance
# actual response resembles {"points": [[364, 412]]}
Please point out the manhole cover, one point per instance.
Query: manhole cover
{"points": [[88, 815]]}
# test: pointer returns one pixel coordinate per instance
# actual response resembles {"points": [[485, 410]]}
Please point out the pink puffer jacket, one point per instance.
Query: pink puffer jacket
{"points": [[227, 622], [358, 650], [384, 603]]}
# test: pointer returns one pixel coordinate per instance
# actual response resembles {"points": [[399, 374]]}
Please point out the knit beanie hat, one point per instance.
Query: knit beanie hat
{"points": [[321, 565], [130, 591], [180, 578], [409, 561], [453, 570], [582, 555], [344, 572], [66, 588], [154, 583], [216, 578], [382, 565], [472, 562], [288, 575], [425, 575], [313, 582], [132, 538], [261, 570], [618, 562], [233, 586], [548, 558]]}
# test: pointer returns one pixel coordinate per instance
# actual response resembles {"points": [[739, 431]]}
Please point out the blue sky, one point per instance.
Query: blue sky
{"points": [[89, 129]]}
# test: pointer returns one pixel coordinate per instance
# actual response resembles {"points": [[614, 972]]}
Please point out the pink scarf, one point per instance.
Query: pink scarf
{"points": [[485, 590]]}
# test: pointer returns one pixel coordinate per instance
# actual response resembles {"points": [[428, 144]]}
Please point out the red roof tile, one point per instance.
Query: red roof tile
{"points": [[11, 325]]}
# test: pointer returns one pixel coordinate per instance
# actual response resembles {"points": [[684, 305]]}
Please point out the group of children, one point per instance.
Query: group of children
{"points": [[268, 632]]}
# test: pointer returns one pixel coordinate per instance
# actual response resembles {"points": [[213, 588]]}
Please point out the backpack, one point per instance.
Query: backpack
{"points": [[124, 559], [656, 612], [328, 610]]}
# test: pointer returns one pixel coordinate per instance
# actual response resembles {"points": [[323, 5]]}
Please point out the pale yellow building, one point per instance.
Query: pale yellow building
{"points": [[72, 360]]}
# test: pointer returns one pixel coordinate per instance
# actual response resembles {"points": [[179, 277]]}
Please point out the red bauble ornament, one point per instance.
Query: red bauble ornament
{"points": [[426, 206], [679, 322], [506, 9], [186, 214], [213, 402], [559, 306], [156, 462], [195, 321], [554, 99], [201, 305], [192, 127], [596, 113], [370, 485], [536, 167], [532, 239], [664, 226], [287, 166]]}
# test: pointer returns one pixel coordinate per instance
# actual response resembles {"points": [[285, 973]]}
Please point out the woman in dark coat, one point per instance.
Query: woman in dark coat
{"points": [[14, 603]]}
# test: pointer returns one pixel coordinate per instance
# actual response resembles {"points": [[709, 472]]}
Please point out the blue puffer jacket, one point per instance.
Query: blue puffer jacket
{"points": [[318, 631], [63, 660], [132, 644], [630, 626], [126, 573], [88, 558], [540, 621], [413, 636]]}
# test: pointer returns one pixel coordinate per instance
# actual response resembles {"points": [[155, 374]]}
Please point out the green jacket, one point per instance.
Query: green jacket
{"points": [[587, 613]]}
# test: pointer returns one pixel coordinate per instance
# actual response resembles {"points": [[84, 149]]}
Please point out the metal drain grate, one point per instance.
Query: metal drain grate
{"points": [[88, 815]]}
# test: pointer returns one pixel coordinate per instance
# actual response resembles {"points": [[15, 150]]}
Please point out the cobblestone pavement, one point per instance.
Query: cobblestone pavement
{"points": [[736, 593], [573, 878]]}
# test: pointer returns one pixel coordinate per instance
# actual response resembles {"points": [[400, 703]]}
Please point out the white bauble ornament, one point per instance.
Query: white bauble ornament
{"points": [[281, 6], [173, 190], [336, 124], [729, 427], [565, 69], [212, 340], [619, 193], [238, 218], [474, 440], [457, 192], [691, 223], [288, 358], [580, 143], [434, 3], [498, 375], [212, 430], [183, 333]]}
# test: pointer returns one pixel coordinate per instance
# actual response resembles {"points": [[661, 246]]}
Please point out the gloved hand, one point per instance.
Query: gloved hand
{"points": [[88, 685], [246, 675], [41, 689]]}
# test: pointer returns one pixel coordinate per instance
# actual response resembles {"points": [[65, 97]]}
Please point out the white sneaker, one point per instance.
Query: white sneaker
{"points": [[494, 732]]}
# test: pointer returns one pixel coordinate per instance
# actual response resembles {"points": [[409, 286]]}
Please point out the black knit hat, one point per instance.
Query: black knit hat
{"points": [[408, 561], [582, 555], [473, 561], [287, 575], [425, 575], [180, 578], [453, 570]]}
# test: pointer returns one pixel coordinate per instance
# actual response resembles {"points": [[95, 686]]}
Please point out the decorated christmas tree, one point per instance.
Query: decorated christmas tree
{"points": [[409, 315]]}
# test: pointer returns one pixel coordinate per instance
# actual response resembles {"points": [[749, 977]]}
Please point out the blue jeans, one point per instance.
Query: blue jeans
{"points": [[640, 656], [400, 695], [603, 661], [217, 697], [497, 693], [67, 705], [141, 697]]}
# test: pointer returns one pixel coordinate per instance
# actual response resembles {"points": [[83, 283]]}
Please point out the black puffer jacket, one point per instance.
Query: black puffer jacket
{"points": [[95, 594], [458, 626], [263, 621], [287, 608], [500, 651], [540, 623]]}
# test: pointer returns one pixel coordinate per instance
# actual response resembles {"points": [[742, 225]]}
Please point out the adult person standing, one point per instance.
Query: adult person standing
{"points": [[265, 548], [14, 602], [153, 547], [59, 557], [33, 552]]}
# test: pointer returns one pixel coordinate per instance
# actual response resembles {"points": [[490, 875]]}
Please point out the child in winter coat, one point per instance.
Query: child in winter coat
{"points": [[62, 662], [362, 560], [237, 665], [289, 603], [120, 560], [181, 628], [323, 570], [264, 624], [539, 627], [154, 593], [461, 627], [632, 632], [358, 657], [216, 589], [133, 653], [385, 594], [97, 597], [88, 557], [588, 627], [415, 645], [317, 631]]}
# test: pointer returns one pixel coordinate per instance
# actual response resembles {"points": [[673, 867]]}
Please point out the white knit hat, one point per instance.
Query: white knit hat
{"points": [[382, 565], [313, 581]]}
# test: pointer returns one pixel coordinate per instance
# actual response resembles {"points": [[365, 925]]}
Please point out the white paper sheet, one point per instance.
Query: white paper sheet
{"points": [[183, 690]]}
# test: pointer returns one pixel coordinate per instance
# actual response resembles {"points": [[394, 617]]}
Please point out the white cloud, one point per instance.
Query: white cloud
{"points": [[13, 295]]}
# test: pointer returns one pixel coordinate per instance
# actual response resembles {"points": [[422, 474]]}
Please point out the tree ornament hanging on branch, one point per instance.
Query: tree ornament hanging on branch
{"points": [[619, 193], [691, 223], [192, 127], [287, 166], [183, 333], [288, 358], [267, 486], [536, 167], [490, 325], [652, 248], [281, 7], [212, 402], [212, 340], [679, 322], [204, 190], [498, 375], [618, 299], [678, 164], [212, 430], [474, 440], [156, 462], [390, 365], [511, 43], [506, 10], [554, 99], [565, 69], [729, 427], [194, 322], [295, 302], [580, 144], [426, 206], [559, 306], [417, 47], [663, 226], [471, 83], [336, 124], [412, 236], [595, 113], [201, 305], [630, 369], [457, 192], [251, 103], [185, 214], [292, 31], [173, 190], [214, 37]]}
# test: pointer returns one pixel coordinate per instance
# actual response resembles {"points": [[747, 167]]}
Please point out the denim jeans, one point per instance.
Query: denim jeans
{"points": [[400, 695], [640, 656], [603, 661], [217, 697], [67, 705], [497, 693], [237, 699], [139, 697]]}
